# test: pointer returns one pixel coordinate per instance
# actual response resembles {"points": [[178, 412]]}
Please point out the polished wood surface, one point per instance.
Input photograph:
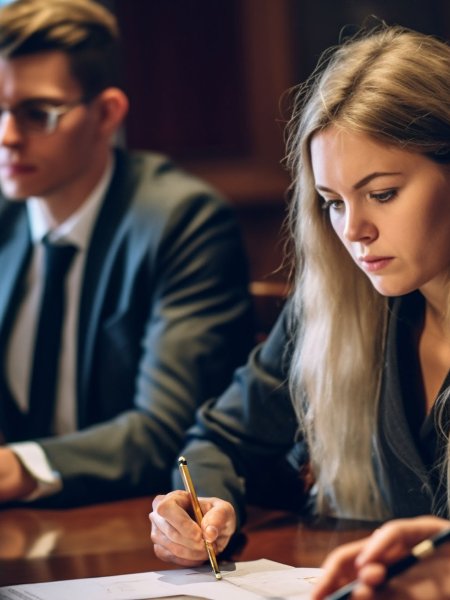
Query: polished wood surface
{"points": [[111, 539]]}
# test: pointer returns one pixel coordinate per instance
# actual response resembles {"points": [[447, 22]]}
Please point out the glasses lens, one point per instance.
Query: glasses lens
{"points": [[37, 117], [33, 117]]}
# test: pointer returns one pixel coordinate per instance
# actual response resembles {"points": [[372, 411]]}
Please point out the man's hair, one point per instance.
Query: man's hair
{"points": [[83, 29]]}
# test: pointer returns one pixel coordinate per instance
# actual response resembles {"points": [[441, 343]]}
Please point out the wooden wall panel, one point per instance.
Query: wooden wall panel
{"points": [[205, 79]]}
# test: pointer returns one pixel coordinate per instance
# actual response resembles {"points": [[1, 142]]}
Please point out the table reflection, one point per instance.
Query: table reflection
{"points": [[114, 538]]}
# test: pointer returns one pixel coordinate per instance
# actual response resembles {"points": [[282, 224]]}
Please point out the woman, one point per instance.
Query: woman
{"points": [[361, 428]]}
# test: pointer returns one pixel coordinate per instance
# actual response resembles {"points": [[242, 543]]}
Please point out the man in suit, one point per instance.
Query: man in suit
{"points": [[154, 298]]}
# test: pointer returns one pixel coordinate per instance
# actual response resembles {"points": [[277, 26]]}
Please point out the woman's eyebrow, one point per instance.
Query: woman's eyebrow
{"points": [[362, 182], [368, 178]]}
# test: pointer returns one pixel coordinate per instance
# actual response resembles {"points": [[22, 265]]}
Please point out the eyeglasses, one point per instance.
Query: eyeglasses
{"points": [[39, 117]]}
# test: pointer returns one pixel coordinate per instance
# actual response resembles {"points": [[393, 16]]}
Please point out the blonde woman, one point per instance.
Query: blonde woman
{"points": [[344, 410]]}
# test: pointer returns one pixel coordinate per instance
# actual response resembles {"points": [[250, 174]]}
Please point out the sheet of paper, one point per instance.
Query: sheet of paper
{"points": [[243, 580]]}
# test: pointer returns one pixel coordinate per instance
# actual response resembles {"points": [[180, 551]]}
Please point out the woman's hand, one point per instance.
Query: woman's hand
{"points": [[176, 536], [367, 561]]}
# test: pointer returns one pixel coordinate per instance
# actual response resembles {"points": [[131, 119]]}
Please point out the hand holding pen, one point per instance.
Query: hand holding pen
{"points": [[177, 537], [407, 558]]}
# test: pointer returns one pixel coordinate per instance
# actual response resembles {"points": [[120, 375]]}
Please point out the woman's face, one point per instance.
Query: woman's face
{"points": [[389, 207]]}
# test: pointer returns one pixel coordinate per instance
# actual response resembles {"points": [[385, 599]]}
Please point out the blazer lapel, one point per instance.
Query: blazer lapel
{"points": [[103, 247], [15, 252], [14, 256], [405, 469]]}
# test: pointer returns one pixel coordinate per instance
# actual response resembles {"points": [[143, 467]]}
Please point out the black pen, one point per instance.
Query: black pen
{"points": [[186, 476], [419, 552]]}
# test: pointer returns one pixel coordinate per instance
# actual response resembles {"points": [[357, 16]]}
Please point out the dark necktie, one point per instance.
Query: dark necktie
{"points": [[45, 360]]}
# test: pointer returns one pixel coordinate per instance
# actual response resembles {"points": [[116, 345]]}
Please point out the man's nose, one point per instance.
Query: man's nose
{"points": [[10, 134]]}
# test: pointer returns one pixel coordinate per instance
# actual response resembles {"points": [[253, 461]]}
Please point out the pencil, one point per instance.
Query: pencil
{"points": [[189, 486], [419, 552]]}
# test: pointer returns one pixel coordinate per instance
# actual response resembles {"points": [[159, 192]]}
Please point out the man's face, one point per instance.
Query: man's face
{"points": [[58, 166]]}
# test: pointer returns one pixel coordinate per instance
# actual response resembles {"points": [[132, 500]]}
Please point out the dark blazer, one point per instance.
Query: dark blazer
{"points": [[164, 318], [246, 447]]}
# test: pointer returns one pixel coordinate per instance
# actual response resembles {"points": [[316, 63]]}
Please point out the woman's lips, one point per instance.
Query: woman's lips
{"points": [[372, 264]]}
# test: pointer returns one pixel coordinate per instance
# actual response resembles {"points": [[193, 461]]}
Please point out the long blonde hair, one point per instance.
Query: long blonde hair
{"points": [[392, 84]]}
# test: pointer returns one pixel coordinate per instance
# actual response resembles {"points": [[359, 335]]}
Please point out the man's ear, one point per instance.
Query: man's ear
{"points": [[113, 107]]}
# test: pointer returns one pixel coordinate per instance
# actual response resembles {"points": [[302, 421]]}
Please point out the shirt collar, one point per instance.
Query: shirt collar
{"points": [[78, 227]]}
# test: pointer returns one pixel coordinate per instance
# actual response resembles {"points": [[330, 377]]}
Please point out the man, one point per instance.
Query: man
{"points": [[155, 309]]}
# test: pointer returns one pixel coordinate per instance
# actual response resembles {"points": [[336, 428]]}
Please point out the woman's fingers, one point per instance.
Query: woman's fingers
{"points": [[178, 538]]}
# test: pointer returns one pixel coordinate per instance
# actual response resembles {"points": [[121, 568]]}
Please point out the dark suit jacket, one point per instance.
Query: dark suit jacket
{"points": [[164, 319], [246, 447]]}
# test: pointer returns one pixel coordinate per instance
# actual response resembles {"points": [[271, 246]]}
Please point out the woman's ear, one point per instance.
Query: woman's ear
{"points": [[113, 107]]}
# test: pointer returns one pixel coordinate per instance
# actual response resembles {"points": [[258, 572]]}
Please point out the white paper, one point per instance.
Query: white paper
{"points": [[243, 581]]}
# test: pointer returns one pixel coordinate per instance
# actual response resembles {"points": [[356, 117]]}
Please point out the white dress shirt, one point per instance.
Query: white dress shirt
{"points": [[76, 230]]}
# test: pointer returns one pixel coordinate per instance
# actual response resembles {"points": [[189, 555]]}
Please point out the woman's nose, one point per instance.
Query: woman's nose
{"points": [[359, 226]]}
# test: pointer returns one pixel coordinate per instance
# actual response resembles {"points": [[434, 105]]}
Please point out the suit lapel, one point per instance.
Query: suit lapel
{"points": [[103, 248], [15, 252], [405, 470], [14, 256]]}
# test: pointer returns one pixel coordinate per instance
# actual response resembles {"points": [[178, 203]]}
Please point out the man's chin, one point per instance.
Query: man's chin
{"points": [[14, 193]]}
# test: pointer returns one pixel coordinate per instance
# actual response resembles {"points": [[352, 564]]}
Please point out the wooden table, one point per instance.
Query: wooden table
{"points": [[111, 539]]}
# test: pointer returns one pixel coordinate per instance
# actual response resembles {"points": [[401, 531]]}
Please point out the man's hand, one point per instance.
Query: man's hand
{"points": [[15, 481]]}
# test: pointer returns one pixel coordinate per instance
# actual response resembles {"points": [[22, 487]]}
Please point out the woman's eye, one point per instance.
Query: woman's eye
{"points": [[331, 204], [384, 196]]}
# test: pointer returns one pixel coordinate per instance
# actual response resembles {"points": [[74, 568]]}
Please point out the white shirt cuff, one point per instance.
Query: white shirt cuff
{"points": [[33, 458]]}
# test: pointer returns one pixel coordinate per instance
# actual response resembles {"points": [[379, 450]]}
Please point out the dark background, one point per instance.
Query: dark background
{"points": [[206, 78]]}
